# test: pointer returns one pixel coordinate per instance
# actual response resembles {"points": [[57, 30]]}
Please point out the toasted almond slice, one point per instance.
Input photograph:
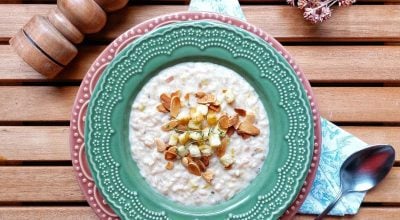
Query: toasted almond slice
{"points": [[200, 94], [194, 169], [208, 176], [215, 108], [185, 161], [207, 99], [161, 146], [223, 122], [181, 127], [248, 128], [169, 79], [175, 106], [177, 93], [201, 165], [230, 131], [250, 117], [205, 160], [169, 165], [165, 100], [169, 155], [169, 125], [161, 108], [240, 111], [245, 136], [220, 151], [233, 120]]}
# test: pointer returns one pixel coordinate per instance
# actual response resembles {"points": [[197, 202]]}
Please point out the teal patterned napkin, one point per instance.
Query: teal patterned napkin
{"points": [[337, 144], [226, 7]]}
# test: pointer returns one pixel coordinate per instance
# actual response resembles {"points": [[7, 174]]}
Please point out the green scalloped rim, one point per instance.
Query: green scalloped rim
{"points": [[282, 94]]}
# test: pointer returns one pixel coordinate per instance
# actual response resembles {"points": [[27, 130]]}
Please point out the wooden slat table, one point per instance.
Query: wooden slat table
{"points": [[352, 61]]}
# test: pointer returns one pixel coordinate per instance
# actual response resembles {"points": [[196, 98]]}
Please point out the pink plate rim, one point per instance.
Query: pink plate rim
{"points": [[77, 123]]}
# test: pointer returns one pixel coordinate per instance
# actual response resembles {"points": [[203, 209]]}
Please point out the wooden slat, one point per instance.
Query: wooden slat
{"points": [[359, 104], [85, 212], [59, 184], [327, 64], [365, 213], [50, 143], [38, 184], [66, 213], [331, 64], [34, 143], [340, 104], [356, 23], [36, 103]]}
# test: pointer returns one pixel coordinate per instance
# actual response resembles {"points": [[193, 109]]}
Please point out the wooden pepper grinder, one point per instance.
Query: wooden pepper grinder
{"points": [[47, 43]]}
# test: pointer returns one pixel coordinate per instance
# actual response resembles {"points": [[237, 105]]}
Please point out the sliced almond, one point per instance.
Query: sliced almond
{"points": [[169, 125], [205, 160], [230, 131], [245, 136], [207, 99], [250, 117], [161, 146], [169, 165], [233, 120], [201, 165], [208, 176], [194, 169], [223, 122], [248, 128], [161, 108], [181, 127], [200, 94], [175, 106], [240, 111], [177, 93], [215, 108], [165, 100], [185, 161], [220, 151], [169, 155]]}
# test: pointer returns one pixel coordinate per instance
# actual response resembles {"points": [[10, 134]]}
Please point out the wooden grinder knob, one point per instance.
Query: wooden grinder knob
{"points": [[45, 43], [86, 15], [43, 47]]}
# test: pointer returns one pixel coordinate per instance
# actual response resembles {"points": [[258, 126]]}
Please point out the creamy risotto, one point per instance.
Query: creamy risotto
{"points": [[198, 133]]}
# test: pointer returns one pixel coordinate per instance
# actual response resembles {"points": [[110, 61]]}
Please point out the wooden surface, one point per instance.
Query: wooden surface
{"points": [[352, 62]]}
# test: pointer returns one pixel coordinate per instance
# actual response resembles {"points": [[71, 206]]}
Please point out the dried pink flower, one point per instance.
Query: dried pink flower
{"points": [[302, 4], [346, 2], [318, 10]]}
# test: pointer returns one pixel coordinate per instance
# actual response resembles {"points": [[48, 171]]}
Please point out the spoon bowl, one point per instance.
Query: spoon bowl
{"points": [[362, 171]]}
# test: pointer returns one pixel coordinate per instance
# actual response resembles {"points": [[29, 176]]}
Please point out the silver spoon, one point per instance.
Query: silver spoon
{"points": [[362, 171]]}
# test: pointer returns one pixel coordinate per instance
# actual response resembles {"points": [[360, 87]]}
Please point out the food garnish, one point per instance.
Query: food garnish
{"points": [[197, 133]]}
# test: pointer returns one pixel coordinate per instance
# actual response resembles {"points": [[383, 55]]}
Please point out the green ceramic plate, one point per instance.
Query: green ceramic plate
{"points": [[291, 125]]}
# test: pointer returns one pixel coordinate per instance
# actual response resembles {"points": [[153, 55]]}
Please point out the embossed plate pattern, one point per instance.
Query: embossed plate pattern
{"points": [[290, 116], [78, 114]]}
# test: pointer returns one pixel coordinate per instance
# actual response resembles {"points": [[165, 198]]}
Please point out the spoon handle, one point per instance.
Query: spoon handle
{"points": [[330, 206]]}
